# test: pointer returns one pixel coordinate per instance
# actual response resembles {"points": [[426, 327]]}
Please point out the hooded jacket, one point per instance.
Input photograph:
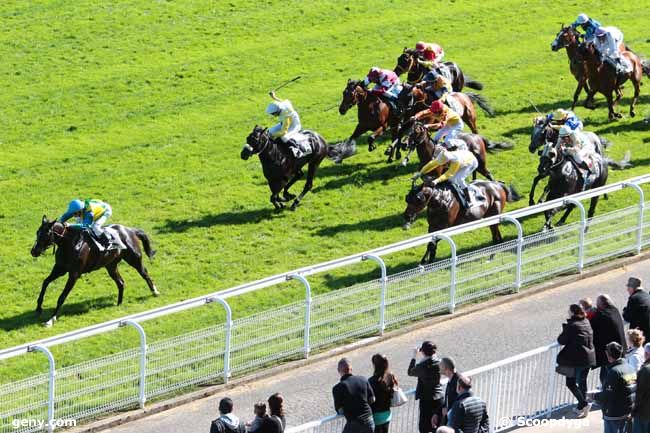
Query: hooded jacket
{"points": [[227, 423]]}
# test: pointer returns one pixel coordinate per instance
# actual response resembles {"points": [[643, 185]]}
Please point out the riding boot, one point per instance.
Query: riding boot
{"points": [[467, 197]]}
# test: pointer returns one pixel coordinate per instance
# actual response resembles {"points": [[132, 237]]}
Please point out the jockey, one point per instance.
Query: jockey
{"points": [[589, 25], [608, 41], [288, 128], [461, 162], [579, 149], [431, 54], [446, 121], [437, 85], [386, 83], [561, 117], [91, 215]]}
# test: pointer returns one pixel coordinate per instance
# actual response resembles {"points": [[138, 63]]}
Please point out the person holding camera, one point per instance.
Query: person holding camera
{"points": [[429, 391]]}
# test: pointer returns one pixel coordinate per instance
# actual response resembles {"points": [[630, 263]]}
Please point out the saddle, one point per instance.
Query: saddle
{"points": [[111, 242], [301, 144]]}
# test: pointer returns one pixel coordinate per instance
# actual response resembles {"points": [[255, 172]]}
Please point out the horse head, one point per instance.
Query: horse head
{"points": [[566, 37], [405, 62], [418, 135], [353, 93], [549, 157], [416, 200], [47, 235], [256, 142], [538, 136]]}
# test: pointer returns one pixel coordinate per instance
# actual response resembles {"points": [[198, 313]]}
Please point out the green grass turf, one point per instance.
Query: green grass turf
{"points": [[146, 105]]}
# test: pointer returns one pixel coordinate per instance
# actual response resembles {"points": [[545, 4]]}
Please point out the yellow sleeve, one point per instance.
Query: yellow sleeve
{"points": [[452, 117], [431, 165], [453, 169], [426, 63], [285, 125]]}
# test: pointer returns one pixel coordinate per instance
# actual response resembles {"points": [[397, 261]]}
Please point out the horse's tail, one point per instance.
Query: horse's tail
{"points": [[622, 164], [482, 102], [645, 64], [496, 146], [512, 194], [605, 143], [146, 243], [473, 84]]}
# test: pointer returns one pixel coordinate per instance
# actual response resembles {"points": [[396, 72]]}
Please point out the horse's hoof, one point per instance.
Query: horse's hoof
{"points": [[295, 204], [371, 147], [289, 196], [50, 322], [388, 152], [406, 226], [632, 113], [39, 311], [155, 292], [390, 159]]}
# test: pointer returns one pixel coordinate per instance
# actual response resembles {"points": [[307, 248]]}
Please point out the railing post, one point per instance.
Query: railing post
{"points": [[304, 281], [583, 228], [52, 375], [382, 300], [639, 232], [520, 244], [143, 358], [226, 354], [454, 260]]}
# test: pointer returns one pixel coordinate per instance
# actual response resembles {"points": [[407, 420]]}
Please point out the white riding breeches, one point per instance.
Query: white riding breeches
{"points": [[463, 172], [449, 131]]}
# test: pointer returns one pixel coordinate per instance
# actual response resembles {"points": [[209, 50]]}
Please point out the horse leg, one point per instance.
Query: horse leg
{"points": [[576, 94], [589, 101], [135, 260], [287, 196], [72, 279], [531, 196], [57, 271], [610, 105], [371, 140], [548, 225], [568, 210], [119, 281], [311, 172], [635, 98], [430, 253], [482, 168], [496, 238]]}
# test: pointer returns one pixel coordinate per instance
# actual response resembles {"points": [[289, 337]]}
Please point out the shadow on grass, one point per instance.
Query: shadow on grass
{"points": [[379, 224], [75, 309], [252, 216], [614, 127], [544, 107], [361, 175]]}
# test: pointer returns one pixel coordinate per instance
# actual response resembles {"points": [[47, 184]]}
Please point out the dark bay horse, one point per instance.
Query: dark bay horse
{"points": [[281, 171], [568, 38], [443, 209], [373, 115], [408, 62], [75, 255], [602, 78]]}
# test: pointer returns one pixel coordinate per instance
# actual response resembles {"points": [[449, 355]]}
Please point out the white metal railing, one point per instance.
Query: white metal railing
{"points": [[521, 387], [129, 378]]}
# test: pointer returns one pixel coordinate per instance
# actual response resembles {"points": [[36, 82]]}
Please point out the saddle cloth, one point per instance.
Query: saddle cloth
{"points": [[303, 143], [455, 144], [444, 71], [476, 195], [454, 104]]}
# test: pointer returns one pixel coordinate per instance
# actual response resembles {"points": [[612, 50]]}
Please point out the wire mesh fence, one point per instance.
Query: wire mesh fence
{"points": [[210, 355]]}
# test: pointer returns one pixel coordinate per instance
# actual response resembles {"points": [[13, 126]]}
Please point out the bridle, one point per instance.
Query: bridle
{"points": [[266, 138]]}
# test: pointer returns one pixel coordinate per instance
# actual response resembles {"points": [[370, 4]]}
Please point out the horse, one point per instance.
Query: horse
{"points": [[75, 254], [374, 114], [603, 78], [563, 180], [280, 170], [568, 38], [419, 140], [444, 210], [408, 62]]}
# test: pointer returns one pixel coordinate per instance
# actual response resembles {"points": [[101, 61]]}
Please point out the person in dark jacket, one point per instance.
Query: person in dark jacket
{"points": [[608, 326], [382, 382], [637, 311], [641, 412], [227, 421], [448, 369], [352, 398], [577, 355], [469, 413], [428, 391], [274, 422], [617, 396]]}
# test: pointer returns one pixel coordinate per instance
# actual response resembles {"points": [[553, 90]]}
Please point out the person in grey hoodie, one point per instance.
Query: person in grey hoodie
{"points": [[227, 421]]}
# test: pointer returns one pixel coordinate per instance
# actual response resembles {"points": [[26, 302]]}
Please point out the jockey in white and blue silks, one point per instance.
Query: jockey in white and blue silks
{"points": [[561, 117], [609, 43], [587, 24], [386, 82], [288, 129], [90, 214]]}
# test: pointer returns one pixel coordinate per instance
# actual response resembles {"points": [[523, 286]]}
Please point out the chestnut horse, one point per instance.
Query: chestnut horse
{"points": [[408, 62], [75, 255], [568, 38], [444, 210]]}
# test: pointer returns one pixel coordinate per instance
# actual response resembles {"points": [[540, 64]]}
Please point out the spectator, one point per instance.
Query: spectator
{"points": [[382, 383], [617, 396], [635, 356], [577, 356], [275, 422], [469, 413], [227, 421], [428, 390], [259, 409], [448, 369], [445, 429], [588, 306], [641, 410], [608, 326], [352, 397], [637, 311]]}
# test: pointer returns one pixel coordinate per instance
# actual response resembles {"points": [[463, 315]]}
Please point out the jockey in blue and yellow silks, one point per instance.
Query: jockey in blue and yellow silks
{"points": [[90, 214]]}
